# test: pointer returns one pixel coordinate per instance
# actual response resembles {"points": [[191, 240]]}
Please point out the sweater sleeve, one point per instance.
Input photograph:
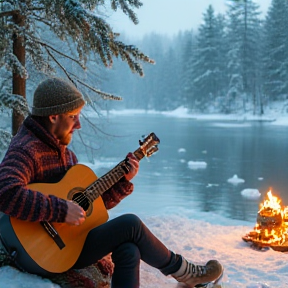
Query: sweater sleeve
{"points": [[117, 192], [16, 172]]}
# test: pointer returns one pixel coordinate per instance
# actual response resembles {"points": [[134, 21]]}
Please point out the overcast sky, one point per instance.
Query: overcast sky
{"points": [[170, 16]]}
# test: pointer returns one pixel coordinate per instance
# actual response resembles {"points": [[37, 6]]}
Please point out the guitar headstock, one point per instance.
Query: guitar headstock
{"points": [[148, 146]]}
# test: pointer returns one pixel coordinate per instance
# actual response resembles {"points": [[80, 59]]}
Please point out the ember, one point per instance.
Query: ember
{"points": [[271, 229]]}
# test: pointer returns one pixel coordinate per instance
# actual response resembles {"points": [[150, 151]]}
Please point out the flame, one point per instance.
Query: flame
{"points": [[273, 218], [272, 203]]}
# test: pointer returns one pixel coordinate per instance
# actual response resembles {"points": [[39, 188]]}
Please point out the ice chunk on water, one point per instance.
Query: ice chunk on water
{"points": [[235, 180]]}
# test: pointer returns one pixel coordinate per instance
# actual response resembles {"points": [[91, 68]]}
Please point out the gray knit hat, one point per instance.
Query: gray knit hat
{"points": [[55, 96]]}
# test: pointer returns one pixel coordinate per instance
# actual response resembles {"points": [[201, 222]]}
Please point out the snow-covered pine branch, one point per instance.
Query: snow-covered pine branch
{"points": [[15, 102], [5, 138], [13, 64]]}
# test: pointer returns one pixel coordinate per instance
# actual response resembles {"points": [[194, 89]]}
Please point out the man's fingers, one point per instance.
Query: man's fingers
{"points": [[76, 215]]}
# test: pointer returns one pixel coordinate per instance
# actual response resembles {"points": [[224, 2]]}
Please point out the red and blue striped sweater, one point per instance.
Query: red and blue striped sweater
{"points": [[35, 156]]}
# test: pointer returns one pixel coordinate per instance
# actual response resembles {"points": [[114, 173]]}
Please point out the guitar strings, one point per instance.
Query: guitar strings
{"points": [[82, 198], [145, 145]]}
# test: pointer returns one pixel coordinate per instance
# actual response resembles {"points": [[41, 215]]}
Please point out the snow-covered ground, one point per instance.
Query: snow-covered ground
{"points": [[199, 237]]}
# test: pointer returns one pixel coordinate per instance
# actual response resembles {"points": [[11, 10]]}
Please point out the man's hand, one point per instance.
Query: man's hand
{"points": [[76, 215], [133, 166]]}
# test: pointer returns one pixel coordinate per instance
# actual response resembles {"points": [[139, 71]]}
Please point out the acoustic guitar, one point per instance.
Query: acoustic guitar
{"points": [[43, 247]]}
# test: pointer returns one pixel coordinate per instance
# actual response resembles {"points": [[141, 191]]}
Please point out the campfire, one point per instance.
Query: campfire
{"points": [[271, 229]]}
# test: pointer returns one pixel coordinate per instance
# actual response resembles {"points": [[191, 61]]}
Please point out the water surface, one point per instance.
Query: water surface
{"points": [[255, 151]]}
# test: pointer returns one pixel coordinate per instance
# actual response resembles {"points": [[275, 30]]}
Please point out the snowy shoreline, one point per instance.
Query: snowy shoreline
{"points": [[273, 115]]}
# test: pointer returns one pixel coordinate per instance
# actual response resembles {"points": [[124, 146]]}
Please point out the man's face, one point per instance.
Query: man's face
{"points": [[65, 124]]}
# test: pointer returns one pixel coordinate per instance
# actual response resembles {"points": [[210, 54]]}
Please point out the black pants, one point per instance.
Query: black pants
{"points": [[130, 241]]}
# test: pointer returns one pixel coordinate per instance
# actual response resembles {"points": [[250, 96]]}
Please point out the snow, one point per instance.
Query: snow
{"points": [[10, 278], [199, 236]]}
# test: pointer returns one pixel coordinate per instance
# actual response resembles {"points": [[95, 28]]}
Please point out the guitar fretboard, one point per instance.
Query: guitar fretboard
{"points": [[102, 184], [105, 182]]}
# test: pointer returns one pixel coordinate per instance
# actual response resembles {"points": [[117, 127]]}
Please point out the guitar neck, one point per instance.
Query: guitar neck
{"points": [[102, 184]]}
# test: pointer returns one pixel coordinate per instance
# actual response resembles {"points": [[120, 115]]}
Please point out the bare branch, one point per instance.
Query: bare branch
{"points": [[58, 63], [57, 51], [83, 142], [41, 19], [92, 125], [105, 96], [9, 13]]}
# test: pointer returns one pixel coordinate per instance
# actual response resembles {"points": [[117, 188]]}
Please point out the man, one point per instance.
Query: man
{"points": [[39, 154]]}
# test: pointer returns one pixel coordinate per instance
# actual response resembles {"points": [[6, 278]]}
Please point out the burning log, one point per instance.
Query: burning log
{"points": [[268, 220], [271, 229]]}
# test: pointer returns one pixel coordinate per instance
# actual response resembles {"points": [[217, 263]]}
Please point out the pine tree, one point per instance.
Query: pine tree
{"points": [[275, 54], [160, 87], [244, 32], [168, 81], [77, 24], [221, 58], [207, 70], [185, 72]]}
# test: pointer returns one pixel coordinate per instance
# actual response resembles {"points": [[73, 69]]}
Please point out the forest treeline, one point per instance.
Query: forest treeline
{"points": [[236, 61]]}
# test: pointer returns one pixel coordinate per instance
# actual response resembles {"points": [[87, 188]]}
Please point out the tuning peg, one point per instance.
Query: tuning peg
{"points": [[152, 150]]}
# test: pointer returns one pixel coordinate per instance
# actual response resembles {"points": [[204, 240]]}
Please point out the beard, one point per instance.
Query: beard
{"points": [[65, 139]]}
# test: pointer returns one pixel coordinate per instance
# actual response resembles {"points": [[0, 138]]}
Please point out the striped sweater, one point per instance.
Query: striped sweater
{"points": [[35, 156]]}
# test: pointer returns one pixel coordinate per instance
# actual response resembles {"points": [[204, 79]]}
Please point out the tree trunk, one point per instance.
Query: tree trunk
{"points": [[19, 83]]}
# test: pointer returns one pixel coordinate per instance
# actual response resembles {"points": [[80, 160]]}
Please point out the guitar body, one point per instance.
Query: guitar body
{"points": [[40, 246]]}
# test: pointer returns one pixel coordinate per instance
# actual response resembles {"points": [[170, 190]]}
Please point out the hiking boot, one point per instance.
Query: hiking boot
{"points": [[192, 274]]}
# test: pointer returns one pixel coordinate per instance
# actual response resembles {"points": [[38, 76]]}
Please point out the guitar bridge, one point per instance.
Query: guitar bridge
{"points": [[53, 234]]}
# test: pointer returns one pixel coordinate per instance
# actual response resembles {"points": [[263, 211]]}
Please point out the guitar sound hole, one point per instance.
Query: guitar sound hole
{"points": [[81, 200]]}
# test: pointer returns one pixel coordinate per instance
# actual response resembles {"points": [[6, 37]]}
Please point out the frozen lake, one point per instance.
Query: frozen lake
{"points": [[196, 158]]}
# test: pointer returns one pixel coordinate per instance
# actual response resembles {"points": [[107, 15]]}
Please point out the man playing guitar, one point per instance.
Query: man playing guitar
{"points": [[58, 216]]}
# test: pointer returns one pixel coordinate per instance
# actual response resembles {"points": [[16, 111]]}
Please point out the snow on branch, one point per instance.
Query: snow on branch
{"points": [[13, 101], [126, 9], [13, 64], [104, 95], [5, 138], [126, 50], [90, 32], [7, 9], [74, 21]]}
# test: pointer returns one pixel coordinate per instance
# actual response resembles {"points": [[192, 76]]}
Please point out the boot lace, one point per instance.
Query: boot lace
{"points": [[195, 270]]}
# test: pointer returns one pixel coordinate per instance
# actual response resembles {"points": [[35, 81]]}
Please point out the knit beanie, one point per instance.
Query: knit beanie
{"points": [[55, 96]]}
